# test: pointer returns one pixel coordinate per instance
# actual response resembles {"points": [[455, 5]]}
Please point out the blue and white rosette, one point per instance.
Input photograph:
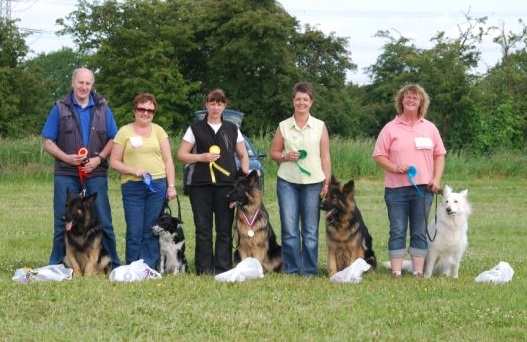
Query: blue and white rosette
{"points": [[148, 182]]}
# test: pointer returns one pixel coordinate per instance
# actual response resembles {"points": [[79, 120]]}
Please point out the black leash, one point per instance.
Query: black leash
{"points": [[440, 192], [166, 208]]}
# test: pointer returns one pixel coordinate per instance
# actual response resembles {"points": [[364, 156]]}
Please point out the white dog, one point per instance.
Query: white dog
{"points": [[450, 231]]}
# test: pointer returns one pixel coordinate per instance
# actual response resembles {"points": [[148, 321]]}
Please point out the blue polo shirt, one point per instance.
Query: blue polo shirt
{"points": [[51, 127]]}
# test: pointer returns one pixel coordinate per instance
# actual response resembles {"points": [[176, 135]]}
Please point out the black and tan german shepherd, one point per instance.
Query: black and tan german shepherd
{"points": [[85, 253], [347, 236], [253, 231]]}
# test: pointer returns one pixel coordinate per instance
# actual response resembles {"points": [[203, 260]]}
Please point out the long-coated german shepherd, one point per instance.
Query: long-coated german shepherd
{"points": [[347, 236], [85, 253], [253, 231]]}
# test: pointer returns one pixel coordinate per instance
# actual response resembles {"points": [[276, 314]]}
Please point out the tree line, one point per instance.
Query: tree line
{"points": [[256, 51]]}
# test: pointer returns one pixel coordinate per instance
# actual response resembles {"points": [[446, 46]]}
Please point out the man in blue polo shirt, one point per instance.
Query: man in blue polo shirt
{"points": [[79, 121]]}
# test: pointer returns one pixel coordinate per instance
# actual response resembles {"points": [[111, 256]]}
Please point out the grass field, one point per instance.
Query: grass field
{"points": [[277, 307]]}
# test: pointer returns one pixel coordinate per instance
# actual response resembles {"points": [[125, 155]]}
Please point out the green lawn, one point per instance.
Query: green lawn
{"points": [[277, 307]]}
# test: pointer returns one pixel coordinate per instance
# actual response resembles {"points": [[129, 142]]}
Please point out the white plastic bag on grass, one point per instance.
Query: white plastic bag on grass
{"points": [[47, 273], [248, 268], [499, 274], [352, 273], [136, 271]]}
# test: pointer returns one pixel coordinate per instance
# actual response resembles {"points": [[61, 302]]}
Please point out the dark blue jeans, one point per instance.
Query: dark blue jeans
{"points": [[300, 217], [407, 207], [210, 206], [102, 205], [141, 211]]}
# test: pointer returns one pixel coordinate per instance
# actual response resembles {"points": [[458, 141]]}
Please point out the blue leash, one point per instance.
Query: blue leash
{"points": [[412, 171]]}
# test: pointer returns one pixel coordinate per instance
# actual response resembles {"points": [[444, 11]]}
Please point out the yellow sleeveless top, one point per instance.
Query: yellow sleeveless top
{"points": [[307, 139]]}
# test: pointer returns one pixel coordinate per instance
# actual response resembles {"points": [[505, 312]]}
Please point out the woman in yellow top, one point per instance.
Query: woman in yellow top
{"points": [[141, 153], [301, 147]]}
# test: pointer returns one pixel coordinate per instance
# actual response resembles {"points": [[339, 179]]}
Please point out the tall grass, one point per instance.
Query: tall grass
{"points": [[277, 307], [25, 158]]}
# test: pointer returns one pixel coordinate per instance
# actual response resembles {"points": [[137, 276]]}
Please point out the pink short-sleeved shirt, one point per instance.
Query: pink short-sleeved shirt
{"points": [[415, 145]]}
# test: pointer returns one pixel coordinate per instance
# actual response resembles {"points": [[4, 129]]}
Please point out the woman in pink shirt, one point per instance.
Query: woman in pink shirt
{"points": [[409, 140]]}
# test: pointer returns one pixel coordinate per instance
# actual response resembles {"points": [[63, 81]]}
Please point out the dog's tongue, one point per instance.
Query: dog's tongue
{"points": [[329, 213], [68, 226], [232, 204]]}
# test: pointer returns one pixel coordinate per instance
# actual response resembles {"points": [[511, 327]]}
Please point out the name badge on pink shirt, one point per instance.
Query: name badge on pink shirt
{"points": [[423, 143]]}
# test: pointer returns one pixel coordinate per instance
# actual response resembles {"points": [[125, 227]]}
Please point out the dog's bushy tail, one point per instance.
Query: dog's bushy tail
{"points": [[369, 254]]}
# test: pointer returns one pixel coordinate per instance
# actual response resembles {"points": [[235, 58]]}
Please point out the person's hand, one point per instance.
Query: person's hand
{"points": [[91, 164], [434, 186], [292, 156], [324, 191], [74, 159], [140, 173], [171, 192], [401, 169], [210, 157]]}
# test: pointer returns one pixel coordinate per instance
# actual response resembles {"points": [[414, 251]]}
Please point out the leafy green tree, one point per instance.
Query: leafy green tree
{"points": [[243, 47], [324, 61], [181, 49], [58, 65], [503, 103], [23, 89], [443, 70], [134, 47]]}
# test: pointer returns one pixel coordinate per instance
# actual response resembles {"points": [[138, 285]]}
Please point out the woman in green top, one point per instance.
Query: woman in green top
{"points": [[301, 147]]}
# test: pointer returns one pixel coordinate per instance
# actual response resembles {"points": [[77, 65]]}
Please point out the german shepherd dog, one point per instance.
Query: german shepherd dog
{"points": [[85, 253], [253, 231], [347, 236], [169, 229]]}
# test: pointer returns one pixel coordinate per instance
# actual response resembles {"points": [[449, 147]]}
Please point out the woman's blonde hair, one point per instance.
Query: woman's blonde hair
{"points": [[412, 89]]}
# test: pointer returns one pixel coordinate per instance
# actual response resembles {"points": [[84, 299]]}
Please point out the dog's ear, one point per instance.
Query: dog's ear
{"points": [[91, 198], [447, 190], [253, 178], [464, 193], [349, 187], [240, 173], [334, 181]]}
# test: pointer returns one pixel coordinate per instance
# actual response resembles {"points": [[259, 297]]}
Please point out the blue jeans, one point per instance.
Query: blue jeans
{"points": [[210, 207], [141, 211], [102, 205], [299, 203], [405, 205]]}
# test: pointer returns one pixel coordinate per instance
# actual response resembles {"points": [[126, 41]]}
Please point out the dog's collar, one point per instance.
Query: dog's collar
{"points": [[251, 222]]}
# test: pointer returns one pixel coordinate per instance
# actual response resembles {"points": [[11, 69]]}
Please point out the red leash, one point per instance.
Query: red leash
{"points": [[83, 152]]}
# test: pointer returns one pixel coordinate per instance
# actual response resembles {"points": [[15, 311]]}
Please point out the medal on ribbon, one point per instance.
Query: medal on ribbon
{"points": [[303, 154], [251, 222], [412, 171], [148, 182], [83, 152], [212, 165]]}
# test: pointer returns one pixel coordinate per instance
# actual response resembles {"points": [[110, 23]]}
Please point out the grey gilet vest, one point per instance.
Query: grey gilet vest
{"points": [[70, 138]]}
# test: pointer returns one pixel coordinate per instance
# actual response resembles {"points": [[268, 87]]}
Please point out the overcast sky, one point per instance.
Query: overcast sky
{"points": [[356, 20]]}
